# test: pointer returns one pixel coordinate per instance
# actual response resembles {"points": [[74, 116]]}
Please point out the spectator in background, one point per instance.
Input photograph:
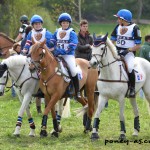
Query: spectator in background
{"points": [[145, 48], [85, 41], [24, 23], [145, 53], [14, 51]]}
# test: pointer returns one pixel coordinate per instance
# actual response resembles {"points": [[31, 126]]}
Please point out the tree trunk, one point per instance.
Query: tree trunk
{"points": [[139, 12]]}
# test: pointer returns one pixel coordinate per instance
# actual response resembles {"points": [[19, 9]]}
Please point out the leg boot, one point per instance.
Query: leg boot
{"points": [[132, 84], [76, 86], [39, 94]]}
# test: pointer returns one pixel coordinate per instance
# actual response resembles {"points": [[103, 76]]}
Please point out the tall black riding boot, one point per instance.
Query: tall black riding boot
{"points": [[76, 86], [132, 84], [39, 94]]}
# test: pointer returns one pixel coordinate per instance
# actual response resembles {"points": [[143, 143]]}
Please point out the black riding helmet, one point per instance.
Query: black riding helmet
{"points": [[24, 18]]}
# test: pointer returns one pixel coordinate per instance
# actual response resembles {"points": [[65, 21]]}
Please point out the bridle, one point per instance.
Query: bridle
{"points": [[101, 65], [104, 49], [35, 62]]}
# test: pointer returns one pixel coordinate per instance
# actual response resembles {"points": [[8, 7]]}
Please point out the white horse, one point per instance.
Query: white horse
{"points": [[113, 82], [26, 84]]}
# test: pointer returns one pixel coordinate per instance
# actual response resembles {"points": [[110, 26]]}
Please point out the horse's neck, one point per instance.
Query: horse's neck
{"points": [[49, 64], [111, 71], [5, 42]]}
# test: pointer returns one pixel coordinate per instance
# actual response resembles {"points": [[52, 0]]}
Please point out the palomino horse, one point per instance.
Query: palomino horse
{"points": [[5, 44], [54, 86], [26, 84], [113, 82]]}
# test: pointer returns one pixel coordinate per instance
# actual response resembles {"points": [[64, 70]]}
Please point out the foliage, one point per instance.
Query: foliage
{"points": [[95, 11]]}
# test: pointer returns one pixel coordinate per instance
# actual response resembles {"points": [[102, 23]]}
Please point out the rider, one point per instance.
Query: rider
{"points": [[38, 33], [65, 42], [128, 39], [24, 23]]}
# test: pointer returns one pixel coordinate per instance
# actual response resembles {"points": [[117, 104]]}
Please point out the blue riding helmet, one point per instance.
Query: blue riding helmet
{"points": [[124, 14], [64, 17], [36, 18]]}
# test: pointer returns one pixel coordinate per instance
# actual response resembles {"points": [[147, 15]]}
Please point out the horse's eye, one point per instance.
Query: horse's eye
{"points": [[102, 48]]}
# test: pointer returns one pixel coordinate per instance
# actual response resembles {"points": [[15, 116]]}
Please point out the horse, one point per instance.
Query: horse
{"points": [[5, 44], [26, 83], [54, 86], [113, 82]]}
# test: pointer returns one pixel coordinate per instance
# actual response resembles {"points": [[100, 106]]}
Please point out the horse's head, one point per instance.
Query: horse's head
{"points": [[98, 50], [5, 44], [37, 52], [3, 82]]}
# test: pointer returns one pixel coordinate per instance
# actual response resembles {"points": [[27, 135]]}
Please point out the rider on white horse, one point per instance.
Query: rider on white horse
{"points": [[128, 39], [38, 33]]}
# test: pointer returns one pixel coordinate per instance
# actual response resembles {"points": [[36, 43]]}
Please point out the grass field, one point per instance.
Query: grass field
{"points": [[72, 137]]}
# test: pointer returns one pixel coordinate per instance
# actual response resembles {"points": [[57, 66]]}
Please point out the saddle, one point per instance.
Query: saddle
{"points": [[138, 71], [64, 71]]}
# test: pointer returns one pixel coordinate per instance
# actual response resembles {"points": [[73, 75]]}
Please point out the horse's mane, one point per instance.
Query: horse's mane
{"points": [[112, 47], [37, 45], [6, 37], [17, 60]]}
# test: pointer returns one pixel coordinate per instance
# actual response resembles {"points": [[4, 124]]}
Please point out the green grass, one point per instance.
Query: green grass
{"points": [[72, 137]]}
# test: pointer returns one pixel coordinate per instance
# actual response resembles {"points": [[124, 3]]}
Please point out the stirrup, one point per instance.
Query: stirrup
{"points": [[38, 94], [132, 93], [78, 95]]}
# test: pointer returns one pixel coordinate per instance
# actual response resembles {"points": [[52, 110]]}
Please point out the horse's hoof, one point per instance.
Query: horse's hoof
{"points": [[135, 133], [43, 133], [122, 137], [94, 136], [16, 135], [55, 134], [87, 130], [32, 133]]}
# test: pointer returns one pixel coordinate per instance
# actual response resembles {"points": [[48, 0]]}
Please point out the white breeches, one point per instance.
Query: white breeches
{"points": [[70, 60], [129, 59]]}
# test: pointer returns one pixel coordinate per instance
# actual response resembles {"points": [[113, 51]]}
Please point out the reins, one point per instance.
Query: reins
{"points": [[107, 65]]}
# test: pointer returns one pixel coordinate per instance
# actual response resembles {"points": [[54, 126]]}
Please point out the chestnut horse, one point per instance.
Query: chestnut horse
{"points": [[5, 44], [54, 86]]}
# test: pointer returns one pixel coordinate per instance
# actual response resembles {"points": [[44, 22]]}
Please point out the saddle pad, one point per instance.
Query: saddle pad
{"points": [[138, 72]]}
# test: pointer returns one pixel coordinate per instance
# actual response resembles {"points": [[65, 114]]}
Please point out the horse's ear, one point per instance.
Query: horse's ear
{"points": [[105, 37], [33, 42], [42, 43], [94, 36]]}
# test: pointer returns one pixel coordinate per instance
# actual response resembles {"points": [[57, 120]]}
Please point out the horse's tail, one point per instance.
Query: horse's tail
{"points": [[81, 111], [66, 111], [148, 107]]}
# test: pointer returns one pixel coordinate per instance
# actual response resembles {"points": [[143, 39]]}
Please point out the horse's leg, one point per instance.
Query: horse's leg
{"points": [[122, 120], [49, 107], [55, 123], [58, 110], [101, 104], [38, 105], [24, 105], [136, 114], [31, 122]]}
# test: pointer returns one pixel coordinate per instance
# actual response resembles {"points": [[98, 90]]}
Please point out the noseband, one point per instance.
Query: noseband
{"points": [[104, 49]]}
